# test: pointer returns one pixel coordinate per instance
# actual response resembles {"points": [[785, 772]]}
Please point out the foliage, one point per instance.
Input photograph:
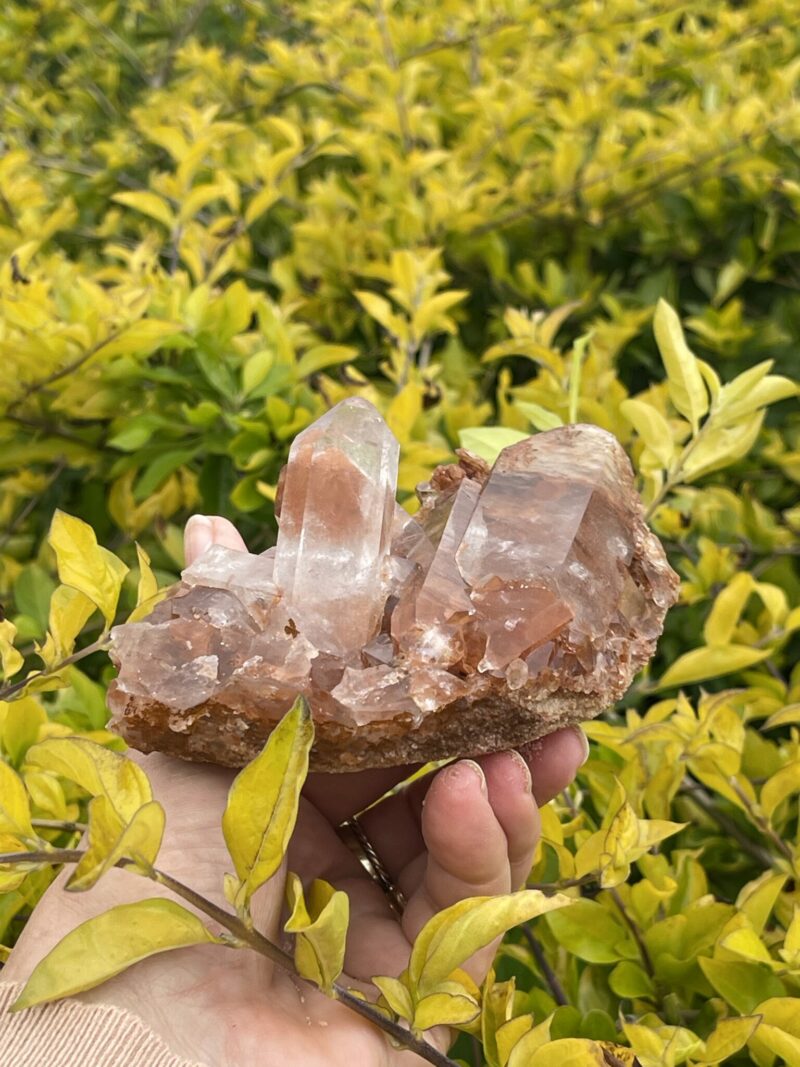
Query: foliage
{"points": [[220, 219]]}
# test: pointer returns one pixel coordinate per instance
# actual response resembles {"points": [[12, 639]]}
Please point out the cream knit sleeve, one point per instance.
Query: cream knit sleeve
{"points": [[71, 1034]]}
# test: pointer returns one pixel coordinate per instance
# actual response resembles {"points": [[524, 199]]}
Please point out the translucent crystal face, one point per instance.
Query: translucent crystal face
{"points": [[539, 575], [336, 520]]}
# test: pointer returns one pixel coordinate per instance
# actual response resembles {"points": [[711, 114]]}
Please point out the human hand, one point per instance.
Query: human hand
{"points": [[469, 829]]}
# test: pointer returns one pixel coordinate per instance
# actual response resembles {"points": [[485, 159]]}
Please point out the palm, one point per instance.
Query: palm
{"points": [[468, 830]]}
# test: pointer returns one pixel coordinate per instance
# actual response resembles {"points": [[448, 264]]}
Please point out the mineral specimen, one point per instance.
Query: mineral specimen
{"points": [[516, 600]]}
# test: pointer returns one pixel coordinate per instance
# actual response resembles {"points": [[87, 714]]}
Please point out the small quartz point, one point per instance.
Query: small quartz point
{"points": [[336, 518], [536, 577]]}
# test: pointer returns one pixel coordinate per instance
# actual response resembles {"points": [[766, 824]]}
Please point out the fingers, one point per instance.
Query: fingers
{"points": [[340, 796], [555, 760], [467, 851], [202, 531], [508, 780]]}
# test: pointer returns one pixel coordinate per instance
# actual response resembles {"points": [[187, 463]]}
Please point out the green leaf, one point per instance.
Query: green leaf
{"points": [[107, 944], [710, 662], [452, 936], [263, 801], [23, 719], [32, 591], [540, 418], [629, 979], [684, 380], [489, 441], [590, 932], [109, 841], [743, 985], [97, 770], [320, 929], [15, 814], [86, 566]]}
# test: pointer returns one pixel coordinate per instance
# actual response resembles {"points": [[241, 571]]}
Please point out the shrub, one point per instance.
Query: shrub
{"points": [[220, 219]]}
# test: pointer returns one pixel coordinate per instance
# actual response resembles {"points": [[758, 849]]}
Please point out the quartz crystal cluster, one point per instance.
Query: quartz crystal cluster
{"points": [[516, 599]]}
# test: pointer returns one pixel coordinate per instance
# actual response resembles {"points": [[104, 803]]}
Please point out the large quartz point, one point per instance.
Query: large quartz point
{"points": [[337, 509], [515, 601]]}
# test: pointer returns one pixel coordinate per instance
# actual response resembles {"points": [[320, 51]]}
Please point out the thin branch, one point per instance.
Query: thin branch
{"points": [[59, 824], [635, 931], [255, 940], [699, 796], [548, 973], [97, 646], [42, 383]]}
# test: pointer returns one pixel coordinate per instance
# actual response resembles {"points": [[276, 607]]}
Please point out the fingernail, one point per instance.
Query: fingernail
{"points": [[475, 768], [584, 740], [197, 537], [524, 769]]}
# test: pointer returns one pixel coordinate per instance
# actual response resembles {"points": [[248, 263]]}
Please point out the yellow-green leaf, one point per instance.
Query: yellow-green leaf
{"points": [[652, 427], [728, 1036], [320, 928], [445, 1009], [22, 722], [684, 380], [531, 1041], [710, 662], [263, 801], [97, 770], [489, 441], [15, 815], [107, 944], [86, 566], [110, 841], [70, 610], [780, 786], [10, 658], [396, 994], [448, 939], [155, 207], [147, 588]]}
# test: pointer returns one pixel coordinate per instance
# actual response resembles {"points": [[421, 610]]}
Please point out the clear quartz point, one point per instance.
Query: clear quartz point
{"points": [[335, 526]]}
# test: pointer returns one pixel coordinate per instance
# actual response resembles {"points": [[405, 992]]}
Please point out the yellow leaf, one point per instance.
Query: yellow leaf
{"points": [[534, 1038], [710, 662], [684, 380], [321, 356], [70, 610], [445, 1009], [728, 607], [97, 770], [722, 445], [430, 317], [148, 204], [320, 929], [379, 308], [147, 588], [109, 840], [263, 801], [86, 566], [652, 427], [779, 1031], [728, 1036], [10, 659], [790, 952], [15, 814], [780, 786], [448, 939], [107, 944], [404, 411], [396, 994], [566, 1052], [788, 716]]}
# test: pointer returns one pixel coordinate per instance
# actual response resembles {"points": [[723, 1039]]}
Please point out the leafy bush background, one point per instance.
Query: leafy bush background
{"points": [[217, 220]]}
